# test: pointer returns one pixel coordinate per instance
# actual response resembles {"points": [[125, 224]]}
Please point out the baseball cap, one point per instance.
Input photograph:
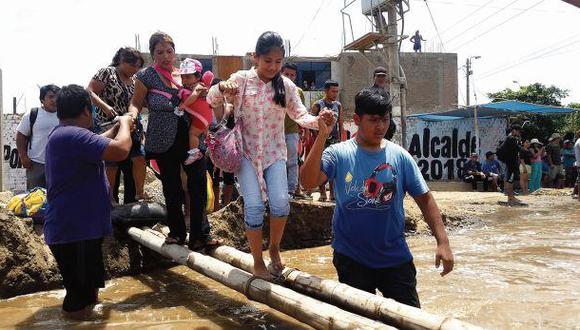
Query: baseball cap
{"points": [[554, 136], [489, 153], [474, 154], [535, 141], [380, 70], [190, 66]]}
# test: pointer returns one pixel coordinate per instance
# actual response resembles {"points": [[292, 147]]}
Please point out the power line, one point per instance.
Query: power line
{"points": [[483, 20], [498, 25], [537, 51], [546, 54], [322, 2], [463, 3], [435, 25], [467, 16]]}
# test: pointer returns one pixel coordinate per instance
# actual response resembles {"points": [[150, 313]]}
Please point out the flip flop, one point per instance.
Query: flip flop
{"points": [[174, 240]]}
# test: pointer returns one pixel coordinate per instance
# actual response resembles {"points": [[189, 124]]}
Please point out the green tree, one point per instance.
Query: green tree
{"points": [[539, 126], [572, 121], [535, 93]]}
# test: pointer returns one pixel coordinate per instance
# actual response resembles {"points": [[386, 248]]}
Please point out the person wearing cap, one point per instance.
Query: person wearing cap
{"points": [[492, 170], [537, 151], [472, 171], [568, 160], [195, 104], [554, 153], [380, 82], [380, 77]]}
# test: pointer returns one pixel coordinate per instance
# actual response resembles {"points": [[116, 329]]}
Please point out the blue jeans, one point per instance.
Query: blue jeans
{"points": [[292, 161], [276, 185]]}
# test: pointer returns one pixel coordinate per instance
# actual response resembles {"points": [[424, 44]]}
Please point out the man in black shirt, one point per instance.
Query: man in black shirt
{"points": [[472, 171], [511, 151]]}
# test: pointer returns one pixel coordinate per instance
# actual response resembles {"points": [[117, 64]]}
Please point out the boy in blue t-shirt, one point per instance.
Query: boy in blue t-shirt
{"points": [[79, 208], [371, 177]]}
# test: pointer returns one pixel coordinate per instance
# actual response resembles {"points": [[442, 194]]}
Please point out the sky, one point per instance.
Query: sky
{"points": [[66, 41]]}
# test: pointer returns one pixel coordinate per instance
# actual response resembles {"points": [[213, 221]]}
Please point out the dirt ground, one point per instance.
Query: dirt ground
{"points": [[26, 264]]}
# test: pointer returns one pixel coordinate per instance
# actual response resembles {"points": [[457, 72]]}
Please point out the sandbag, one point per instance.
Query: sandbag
{"points": [[138, 214]]}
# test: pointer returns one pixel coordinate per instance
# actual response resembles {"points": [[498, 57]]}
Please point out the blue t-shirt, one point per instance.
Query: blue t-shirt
{"points": [[79, 206], [369, 220], [491, 166]]}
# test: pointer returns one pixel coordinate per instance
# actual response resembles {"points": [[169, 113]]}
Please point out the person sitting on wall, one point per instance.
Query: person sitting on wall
{"points": [[371, 177], [492, 170], [79, 208], [32, 136], [472, 171]]}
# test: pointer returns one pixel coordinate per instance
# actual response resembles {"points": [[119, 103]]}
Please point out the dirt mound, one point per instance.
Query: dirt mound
{"points": [[27, 265]]}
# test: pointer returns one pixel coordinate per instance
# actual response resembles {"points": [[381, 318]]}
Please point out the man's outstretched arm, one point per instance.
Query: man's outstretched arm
{"points": [[432, 215]]}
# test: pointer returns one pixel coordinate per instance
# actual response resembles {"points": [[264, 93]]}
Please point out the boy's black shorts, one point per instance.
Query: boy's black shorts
{"points": [[83, 272], [398, 283]]}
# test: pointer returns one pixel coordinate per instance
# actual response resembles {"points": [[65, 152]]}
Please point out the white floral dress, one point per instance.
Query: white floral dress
{"points": [[262, 120]]}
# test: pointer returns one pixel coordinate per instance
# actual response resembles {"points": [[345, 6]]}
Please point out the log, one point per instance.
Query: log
{"points": [[358, 301], [313, 312]]}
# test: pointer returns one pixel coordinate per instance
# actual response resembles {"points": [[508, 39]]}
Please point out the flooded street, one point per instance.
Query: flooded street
{"points": [[521, 270]]}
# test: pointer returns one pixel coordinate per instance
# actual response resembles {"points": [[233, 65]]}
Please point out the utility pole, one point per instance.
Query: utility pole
{"points": [[391, 49], [468, 72]]}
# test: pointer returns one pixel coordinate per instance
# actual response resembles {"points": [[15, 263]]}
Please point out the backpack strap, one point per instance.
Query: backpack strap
{"points": [[32, 119]]}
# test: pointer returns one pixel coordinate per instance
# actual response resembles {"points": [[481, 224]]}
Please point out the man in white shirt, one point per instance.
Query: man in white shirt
{"points": [[577, 152], [32, 136]]}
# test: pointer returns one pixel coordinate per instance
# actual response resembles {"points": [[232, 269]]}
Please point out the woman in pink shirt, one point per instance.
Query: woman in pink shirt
{"points": [[264, 96]]}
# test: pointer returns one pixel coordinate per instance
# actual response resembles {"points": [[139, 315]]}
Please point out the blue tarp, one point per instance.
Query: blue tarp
{"points": [[497, 109]]}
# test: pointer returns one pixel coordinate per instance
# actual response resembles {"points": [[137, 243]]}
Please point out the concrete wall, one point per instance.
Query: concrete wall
{"points": [[431, 78]]}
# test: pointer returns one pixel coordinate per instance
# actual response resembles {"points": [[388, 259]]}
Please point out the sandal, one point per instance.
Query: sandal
{"points": [[174, 240], [204, 244]]}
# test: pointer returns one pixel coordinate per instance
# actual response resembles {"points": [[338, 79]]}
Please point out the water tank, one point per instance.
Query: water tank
{"points": [[370, 6]]}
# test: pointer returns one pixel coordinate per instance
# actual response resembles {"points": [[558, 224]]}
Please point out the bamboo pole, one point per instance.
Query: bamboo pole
{"points": [[355, 300], [315, 313]]}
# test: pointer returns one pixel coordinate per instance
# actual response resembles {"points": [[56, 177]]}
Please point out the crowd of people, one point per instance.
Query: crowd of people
{"points": [[528, 165], [84, 137]]}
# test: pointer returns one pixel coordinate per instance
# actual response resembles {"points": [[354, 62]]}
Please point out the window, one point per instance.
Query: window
{"points": [[207, 64], [314, 74]]}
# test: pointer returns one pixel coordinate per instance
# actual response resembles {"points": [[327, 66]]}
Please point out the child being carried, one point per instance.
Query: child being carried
{"points": [[193, 102]]}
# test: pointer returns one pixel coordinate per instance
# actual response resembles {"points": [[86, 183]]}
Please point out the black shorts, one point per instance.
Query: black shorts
{"points": [[82, 270], [398, 283], [512, 173]]}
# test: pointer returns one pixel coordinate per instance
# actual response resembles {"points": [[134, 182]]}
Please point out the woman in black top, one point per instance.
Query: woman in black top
{"points": [[111, 90], [166, 141]]}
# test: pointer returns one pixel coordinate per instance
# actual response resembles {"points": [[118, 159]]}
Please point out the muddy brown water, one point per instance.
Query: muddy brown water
{"points": [[521, 269]]}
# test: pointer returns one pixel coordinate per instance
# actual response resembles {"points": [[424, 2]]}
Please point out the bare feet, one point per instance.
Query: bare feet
{"points": [[261, 271], [276, 265]]}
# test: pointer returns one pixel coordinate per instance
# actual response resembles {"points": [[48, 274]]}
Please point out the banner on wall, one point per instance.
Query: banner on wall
{"points": [[441, 148], [14, 175]]}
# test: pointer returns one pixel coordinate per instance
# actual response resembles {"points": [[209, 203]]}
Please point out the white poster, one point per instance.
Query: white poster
{"points": [[441, 148], [14, 175]]}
